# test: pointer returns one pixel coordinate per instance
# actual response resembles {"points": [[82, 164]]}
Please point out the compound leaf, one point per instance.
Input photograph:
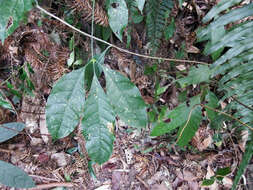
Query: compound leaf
{"points": [[125, 99], [118, 16], [13, 176], [11, 13], [66, 104], [245, 161], [98, 115], [221, 6], [9, 130]]}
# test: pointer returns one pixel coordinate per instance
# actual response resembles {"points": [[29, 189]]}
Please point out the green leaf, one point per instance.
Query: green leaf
{"points": [[245, 160], [169, 31], [188, 130], [216, 35], [71, 59], [136, 16], [231, 16], [180, 3], [213, 102], [223, 171], [208, 182], [118, 16], [221, 6], [125, 99], [5, 104], [11, 13], [235, 51], [65, 104], [233, 35], [196, 76], [72, 43], [96, 63], [98, 115], [13, 176], [140, 4], [177, 116], [9, 130]]}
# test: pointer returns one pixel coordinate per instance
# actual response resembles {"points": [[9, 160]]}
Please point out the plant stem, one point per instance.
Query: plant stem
{"points": [[120, 49]]}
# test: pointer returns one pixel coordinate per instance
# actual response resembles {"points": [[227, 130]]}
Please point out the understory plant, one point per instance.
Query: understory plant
{"points": [[232, 51], [79, 98]]}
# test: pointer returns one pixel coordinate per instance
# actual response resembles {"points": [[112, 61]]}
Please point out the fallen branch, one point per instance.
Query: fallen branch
{"points": [[114, 46], [51, 185]]}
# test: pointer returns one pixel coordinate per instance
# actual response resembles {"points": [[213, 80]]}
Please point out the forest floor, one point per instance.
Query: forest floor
{"points": [[138, 162]]}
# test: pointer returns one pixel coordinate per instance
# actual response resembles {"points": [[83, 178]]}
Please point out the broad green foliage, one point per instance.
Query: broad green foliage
{"points": [[219, 175], [12, 13], [65, 105], [196, 75], [235, 64], [12, 176], [4, 103], [98, 115], [96, 63], [157, 14], [222, 6], [213, 116], [118, 16], [231, 16], [125, 99], [9, 130], [188, 130], [178, 118], [140, 4]]}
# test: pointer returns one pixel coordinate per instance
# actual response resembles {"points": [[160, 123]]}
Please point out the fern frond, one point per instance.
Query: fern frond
{"points": [[84, 7], [156, 20], [235, 64], [245, 161]]}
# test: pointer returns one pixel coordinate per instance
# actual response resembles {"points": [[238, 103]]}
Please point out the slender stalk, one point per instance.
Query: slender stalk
{"points": [[114, 46], [92, 28]]}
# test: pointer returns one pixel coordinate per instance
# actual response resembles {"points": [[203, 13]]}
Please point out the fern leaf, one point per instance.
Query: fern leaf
{"points": [[235, 65], [156, 20], [245, 160], [222, 6], [231, 16]]}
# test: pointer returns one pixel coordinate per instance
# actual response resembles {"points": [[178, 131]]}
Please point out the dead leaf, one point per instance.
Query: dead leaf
{"points": [[159, 187]]}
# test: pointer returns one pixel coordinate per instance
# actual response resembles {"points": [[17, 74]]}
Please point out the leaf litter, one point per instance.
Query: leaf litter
{"points": [[137, 162]]}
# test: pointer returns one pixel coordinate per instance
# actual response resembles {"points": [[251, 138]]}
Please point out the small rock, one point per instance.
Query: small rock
{"points": [[61, 158]]}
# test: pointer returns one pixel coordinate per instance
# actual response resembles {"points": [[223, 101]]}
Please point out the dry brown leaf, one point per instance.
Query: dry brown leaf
{"points": [[202, 138], [85, 9], [159, 187]]}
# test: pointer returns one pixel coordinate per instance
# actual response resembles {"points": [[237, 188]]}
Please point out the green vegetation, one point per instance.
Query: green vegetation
{"points": [[79, 97]]}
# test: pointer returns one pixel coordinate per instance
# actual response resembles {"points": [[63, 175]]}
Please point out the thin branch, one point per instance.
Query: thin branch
{"points": [[228, 115], [188, 120], [51, 185], [92, 28], [114, 46], [239, 102]]}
